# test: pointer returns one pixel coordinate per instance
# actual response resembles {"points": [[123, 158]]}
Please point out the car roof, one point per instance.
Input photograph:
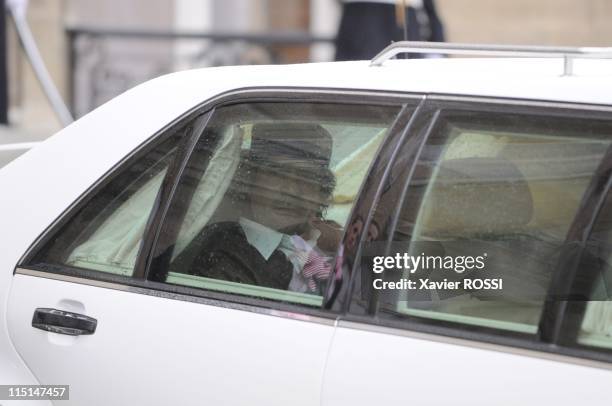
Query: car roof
{"points": [[526, 78]]}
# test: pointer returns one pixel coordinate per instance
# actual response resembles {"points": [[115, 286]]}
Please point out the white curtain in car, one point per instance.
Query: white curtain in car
{"points": [[212, 188], [113, 247]]}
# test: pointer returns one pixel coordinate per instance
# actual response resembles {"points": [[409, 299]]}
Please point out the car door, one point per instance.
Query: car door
{"points": [[518, 187], [111, 303]]}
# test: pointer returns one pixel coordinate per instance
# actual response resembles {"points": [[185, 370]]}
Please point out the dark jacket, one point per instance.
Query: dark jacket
{"points": [[223, 253]]}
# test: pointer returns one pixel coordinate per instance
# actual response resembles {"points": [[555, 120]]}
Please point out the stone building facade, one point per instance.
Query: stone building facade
{"points": [[545, 22]]}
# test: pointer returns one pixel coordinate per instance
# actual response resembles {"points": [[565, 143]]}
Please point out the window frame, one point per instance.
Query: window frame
{"points": [[547, 340], [572, 312], [302, 97], [138, 282], [84, 198]]}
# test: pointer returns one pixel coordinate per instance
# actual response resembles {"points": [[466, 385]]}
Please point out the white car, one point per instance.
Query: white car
{"points": [[211, 237], [14, 144]]}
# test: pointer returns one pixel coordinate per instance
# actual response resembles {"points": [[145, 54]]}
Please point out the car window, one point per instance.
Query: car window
{"points": [[106, 233], [596, 326], [487, 213], [263, 201]]}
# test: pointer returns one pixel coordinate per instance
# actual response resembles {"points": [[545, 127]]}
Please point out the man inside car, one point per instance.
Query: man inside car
{"points": [[281, 240]]}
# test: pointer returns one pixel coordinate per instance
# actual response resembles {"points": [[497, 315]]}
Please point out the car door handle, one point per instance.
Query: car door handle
{"points": [[62, 322]]}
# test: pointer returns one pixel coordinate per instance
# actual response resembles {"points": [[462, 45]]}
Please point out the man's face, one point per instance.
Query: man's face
{"points": [[284, 198]]}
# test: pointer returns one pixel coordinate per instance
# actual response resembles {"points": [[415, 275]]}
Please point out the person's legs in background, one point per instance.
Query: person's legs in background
{"points": [[366, 28]]}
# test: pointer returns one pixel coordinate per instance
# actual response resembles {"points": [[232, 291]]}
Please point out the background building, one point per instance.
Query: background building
{"points": [[92, 56]]}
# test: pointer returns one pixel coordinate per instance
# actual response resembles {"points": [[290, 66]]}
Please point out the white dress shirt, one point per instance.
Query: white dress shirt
{"points": [[266, 241]]}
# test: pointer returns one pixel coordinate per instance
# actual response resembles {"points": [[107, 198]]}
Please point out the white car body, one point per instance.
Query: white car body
{"points": [[219, 367], [16, 141], [8, 152]]}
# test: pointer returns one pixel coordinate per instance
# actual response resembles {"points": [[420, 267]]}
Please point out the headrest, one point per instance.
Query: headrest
{"points": [[477, 196], [291, 143]]}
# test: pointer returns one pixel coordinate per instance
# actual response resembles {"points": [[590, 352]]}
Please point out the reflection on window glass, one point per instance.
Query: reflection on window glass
{"points": [[105, 235], [265, 197], [505, 189], [596, 326]]}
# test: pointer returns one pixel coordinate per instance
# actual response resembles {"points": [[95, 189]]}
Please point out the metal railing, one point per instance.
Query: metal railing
{"points": [[274, 38], [104, 62], [568, 54]]}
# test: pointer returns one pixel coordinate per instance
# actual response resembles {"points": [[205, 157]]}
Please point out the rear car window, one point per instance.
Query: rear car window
{"points": [[106, 233], [264, 199], [497, 194]]}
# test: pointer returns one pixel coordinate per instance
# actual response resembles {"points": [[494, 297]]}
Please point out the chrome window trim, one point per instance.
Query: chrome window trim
{"points": [[520, 102], [178, 296]]}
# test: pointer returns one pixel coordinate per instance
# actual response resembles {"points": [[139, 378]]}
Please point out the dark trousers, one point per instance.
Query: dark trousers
{"points": [[367, 28]]}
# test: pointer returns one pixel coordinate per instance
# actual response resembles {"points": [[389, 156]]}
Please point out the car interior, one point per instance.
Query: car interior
{"points": [[513, 197], [221, 198]]}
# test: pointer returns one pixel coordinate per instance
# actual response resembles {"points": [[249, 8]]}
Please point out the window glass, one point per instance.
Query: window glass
{"points": [[263, 201], [492, 199], [106, 233], [596, 326]]}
